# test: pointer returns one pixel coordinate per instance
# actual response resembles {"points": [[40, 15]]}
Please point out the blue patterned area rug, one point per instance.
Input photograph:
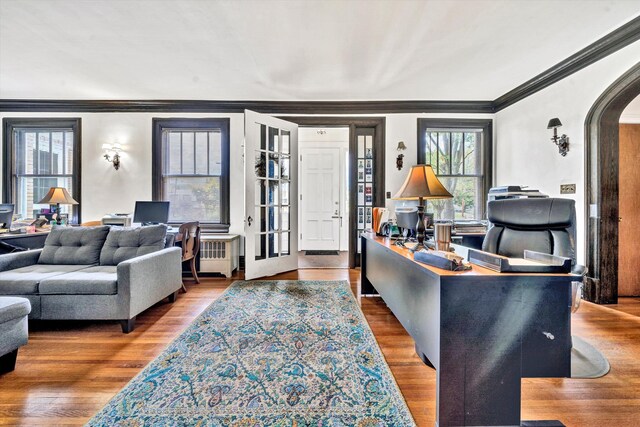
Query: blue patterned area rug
{"points": [[267, 353]]}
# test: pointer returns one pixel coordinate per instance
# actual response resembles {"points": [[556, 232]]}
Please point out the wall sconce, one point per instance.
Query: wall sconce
{"points": [[400, 158], [112, 154], [561, 141]]}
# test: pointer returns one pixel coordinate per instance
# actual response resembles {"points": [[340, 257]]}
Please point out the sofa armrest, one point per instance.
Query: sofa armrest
{"points": [[149, 278], [19, 259]]}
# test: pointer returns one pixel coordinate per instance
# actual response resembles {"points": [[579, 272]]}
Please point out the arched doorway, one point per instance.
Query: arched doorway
{"points": [[601, 169]]}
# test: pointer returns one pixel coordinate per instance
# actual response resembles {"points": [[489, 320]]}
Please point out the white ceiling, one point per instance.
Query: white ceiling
{"points": [[291, 50]]}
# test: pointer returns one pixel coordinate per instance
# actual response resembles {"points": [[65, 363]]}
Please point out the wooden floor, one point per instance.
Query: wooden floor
{"points": [[69, 370]]}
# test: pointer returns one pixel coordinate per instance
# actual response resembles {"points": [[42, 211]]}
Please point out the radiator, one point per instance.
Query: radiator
{"points": [[219, 253]]}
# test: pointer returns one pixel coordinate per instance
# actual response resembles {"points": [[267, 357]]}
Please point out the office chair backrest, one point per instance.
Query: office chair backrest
{"points": [[190, 232], [407, 218], [545, 225]]}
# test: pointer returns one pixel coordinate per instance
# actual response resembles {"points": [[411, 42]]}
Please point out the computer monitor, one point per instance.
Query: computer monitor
{"points": [[151, 213], [6, 215]]}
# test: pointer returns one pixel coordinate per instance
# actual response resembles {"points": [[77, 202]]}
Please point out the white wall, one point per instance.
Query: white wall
{"points": [[523, 151], [106, 190], [631, 114], [404, 127]]}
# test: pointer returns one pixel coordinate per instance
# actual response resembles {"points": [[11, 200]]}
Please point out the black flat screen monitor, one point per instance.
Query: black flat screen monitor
{"points": [[6, 215], [151, 213]]}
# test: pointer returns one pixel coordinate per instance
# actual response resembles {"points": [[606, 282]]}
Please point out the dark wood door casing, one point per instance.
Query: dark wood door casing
{"points": [[602, 187]]}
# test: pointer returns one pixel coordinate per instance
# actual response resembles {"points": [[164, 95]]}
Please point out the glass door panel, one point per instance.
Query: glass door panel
{"points": [[273, 177]]}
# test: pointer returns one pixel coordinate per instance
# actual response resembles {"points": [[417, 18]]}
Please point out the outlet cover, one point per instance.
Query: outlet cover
{"points": [[388, 194], [567, 189]]}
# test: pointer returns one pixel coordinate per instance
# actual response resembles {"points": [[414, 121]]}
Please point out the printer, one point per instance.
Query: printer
{"points": [[122, 220], [512, 192]]}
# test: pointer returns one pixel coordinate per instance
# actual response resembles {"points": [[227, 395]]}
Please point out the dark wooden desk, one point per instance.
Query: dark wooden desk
{"points": [[482, 331], [23, 240]]}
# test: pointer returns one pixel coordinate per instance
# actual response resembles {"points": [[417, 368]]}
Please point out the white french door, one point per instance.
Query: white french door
{"points": [[271, 188], [320, 204]]}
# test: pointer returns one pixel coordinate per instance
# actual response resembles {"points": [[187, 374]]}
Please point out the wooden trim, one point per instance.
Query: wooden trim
{"points": [[487, 147], [377, 126], [265, 107], [8, 126], [602, 175], [159, 124], [601, 48]]}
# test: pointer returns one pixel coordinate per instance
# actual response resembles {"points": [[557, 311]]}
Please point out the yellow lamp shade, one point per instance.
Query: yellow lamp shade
{"points": [[422, 183], [58, 195]]}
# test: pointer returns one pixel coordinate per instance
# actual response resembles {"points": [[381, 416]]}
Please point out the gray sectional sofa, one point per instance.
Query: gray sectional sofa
{"points": [[94, 273], [14, 332]]}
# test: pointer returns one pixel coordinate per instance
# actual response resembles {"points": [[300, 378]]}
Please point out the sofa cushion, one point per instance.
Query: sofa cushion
{"points": [[25, 280], [97, 280], [126, 243], [13, 308], [74, 245]]}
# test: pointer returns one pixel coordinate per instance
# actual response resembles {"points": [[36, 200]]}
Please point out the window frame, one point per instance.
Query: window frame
{"points": [[162, 124], [486, 125], [9, 125]]}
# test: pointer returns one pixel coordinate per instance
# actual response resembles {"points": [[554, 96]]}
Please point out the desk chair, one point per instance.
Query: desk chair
{"points": [[545, 225], [190, 237]]}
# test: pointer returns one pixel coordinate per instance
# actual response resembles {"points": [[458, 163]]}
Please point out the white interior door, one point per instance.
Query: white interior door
{"points": [[271, 188], [320, 203]]}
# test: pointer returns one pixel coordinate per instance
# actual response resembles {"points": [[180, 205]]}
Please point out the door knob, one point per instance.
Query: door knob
{"points": [[249, 221]]}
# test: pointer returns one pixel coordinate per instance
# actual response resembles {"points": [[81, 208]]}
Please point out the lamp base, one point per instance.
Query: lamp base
{"points": [[420, 226]]}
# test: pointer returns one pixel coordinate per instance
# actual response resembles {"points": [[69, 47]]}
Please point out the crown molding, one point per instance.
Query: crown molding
{"points": [[605, 46], [267, 107]]}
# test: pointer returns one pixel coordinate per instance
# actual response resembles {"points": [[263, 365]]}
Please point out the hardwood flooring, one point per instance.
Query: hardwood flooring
{"points": [[69, 370]]}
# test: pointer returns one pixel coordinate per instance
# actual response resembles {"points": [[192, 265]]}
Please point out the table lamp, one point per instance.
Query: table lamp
{"points": [[422, 183], [58, 196]]}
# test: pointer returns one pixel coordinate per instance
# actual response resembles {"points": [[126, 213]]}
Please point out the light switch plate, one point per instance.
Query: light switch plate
{"points": [[388, 194], [567, 189]]}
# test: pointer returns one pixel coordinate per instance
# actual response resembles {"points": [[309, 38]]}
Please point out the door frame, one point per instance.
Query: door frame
{"points": [[602, 188], [354, 124]]}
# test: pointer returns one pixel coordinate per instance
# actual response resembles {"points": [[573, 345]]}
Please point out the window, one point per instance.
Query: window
{"points": [[191, 170], [460, 153], [40, 154]]}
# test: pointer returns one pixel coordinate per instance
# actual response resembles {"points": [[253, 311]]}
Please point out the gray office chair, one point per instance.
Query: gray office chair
{"points": [[545, 225]]}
